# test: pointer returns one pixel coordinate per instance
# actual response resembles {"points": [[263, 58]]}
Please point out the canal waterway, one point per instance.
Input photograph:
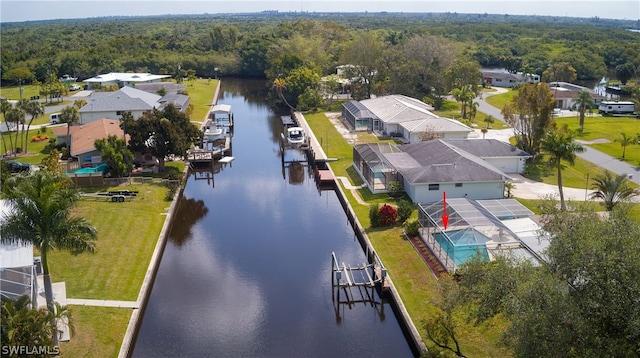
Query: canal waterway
{"points": [[247, 268]]}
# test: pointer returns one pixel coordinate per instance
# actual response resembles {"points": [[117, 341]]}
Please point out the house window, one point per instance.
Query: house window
{"points": [[118, 113], [458, 185], [434, 186]]}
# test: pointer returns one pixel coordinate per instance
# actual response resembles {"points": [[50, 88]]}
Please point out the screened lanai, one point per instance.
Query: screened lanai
{"points": [[474, 228], [373, 167], [359, 116]]}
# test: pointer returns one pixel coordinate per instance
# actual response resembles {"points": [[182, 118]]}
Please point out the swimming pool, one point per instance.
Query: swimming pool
{"points": [[461, 245], [102, 168]]}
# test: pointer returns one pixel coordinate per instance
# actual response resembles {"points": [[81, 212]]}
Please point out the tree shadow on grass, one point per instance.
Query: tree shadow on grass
{"points": [[537, 170]]}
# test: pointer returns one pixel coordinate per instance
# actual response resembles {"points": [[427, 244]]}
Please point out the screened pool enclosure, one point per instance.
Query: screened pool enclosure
{"points": [[474, 228]]}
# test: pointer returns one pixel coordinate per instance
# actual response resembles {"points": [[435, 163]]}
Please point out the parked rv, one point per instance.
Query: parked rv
{"points": [[616, 107]]}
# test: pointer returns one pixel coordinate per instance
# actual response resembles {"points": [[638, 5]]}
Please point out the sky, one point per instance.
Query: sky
{"points": [[31, 10]]}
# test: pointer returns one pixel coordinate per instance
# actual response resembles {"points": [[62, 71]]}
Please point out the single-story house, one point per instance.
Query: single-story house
{"points": [[123, 79], [127, 99], [168, 87], [497, 78], [84, 136], [402, 117], [565, 93], [427, 169], [502, 155]]}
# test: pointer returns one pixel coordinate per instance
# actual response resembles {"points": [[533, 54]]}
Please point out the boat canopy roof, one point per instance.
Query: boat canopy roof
{"points": [[221, 109]]}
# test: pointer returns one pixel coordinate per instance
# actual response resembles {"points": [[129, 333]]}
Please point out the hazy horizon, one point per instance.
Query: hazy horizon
{"points": [[27, 10]]}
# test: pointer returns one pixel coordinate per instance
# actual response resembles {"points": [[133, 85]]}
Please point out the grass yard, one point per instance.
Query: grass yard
{"points": [[500, 100], [99, 331], [610, 129], [201, 93], [412, 277], [127, 235]]}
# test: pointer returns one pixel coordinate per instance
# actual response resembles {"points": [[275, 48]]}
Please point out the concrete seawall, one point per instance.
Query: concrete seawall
{"points": [[126, 349], [417, 345]]}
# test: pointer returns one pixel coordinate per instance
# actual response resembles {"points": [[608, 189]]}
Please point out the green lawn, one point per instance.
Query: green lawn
{"points": [[610, 129], [500, 100], [411, 276], [201, 93], [127, 235], [99, 331]]}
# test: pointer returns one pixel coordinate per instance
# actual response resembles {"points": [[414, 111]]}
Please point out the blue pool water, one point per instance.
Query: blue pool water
{"points": [[103, 168], [464, 244]]}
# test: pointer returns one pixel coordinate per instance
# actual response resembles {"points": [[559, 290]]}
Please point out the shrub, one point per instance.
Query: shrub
{"points": [[395, 189], [374, 215], [411, 227], [405, 208], [388, 215]]}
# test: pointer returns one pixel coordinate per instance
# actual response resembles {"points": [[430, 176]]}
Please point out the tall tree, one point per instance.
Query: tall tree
{"points": [[162, 133], [625, 140], [5, 106], [70, 116], [559, 72], [612, 189], [34, 109], [530, 116], [41, 213], [583, 103], [560, 146], [580, 303], [363, 54], [115, 153], [465, 96], [15, 115]]}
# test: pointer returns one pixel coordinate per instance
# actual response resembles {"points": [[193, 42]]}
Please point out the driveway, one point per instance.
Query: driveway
{"points": [[591, 155]]}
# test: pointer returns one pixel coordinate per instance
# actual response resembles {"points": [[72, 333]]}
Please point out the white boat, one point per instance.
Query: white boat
{"points": [[213, 132], [295, 136]]}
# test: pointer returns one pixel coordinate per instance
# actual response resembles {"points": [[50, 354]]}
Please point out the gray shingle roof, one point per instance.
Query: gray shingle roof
{"points": [[487, 148], [439, 162], [125, 99]]}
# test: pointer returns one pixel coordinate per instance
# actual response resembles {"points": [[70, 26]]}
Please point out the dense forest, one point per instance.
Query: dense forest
{"points": [[403, 53]]}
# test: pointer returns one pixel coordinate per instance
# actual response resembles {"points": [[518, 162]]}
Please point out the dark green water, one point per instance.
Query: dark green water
{"points": [[247, 270]]}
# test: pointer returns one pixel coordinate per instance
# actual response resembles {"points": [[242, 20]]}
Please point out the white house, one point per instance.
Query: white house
{"points": [[463, 168], [123, 79], [403, 117], [113, 104]]}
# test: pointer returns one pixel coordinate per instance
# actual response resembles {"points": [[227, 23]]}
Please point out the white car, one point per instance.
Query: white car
{"points": [[74, 87]]}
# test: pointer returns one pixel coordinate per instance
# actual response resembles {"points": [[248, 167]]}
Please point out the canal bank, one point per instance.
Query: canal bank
{"points": [[409, 328], [126, 349]]}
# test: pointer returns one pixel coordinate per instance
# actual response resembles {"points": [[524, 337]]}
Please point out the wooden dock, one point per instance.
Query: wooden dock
{"points": [[208, 153]]}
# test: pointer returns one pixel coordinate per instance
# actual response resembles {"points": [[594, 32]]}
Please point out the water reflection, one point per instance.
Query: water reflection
{"points": [[249, 273], [188, 213]]}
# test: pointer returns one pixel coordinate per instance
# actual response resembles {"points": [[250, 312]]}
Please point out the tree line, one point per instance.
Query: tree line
{"points": [[251, 46]]}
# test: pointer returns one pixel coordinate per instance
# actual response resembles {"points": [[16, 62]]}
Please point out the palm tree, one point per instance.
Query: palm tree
{"points": [[583, 102], [484, 131], [34, 109], [15, 115], [464, 95], [560, 146], [612, 189], [624, 141], [5, 106], [41, 214], [489, 120], [70, 116], [24, 326]]}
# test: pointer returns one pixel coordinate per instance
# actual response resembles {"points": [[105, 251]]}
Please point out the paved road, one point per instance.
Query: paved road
{"points": [[528, 189]]}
